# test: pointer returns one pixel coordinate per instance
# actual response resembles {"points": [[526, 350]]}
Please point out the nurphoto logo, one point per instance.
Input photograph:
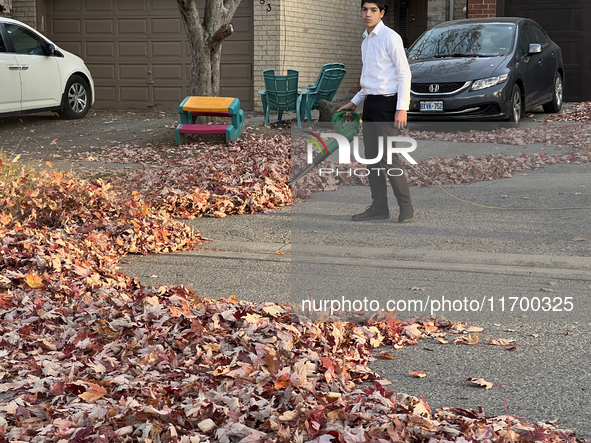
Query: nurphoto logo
{"points": [[393, 145]]}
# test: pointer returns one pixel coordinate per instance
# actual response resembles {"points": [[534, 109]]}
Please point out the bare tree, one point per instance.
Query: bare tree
{"points": [[5, 6], [205, 40]]}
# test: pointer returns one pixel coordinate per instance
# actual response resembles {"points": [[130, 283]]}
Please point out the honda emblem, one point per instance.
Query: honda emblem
{"points": [[433, 88]]}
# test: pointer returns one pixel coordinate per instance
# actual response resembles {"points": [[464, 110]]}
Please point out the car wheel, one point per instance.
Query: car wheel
{"points": [[556, 104], [516, 105], [76, 98]]}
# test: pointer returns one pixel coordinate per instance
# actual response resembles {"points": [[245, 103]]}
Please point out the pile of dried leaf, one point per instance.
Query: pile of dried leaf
{"points": [[162, 365], [250, 175], [573, 136], [88, 354], [574, 112], [207, 180], [165, 365], [468, 169]]}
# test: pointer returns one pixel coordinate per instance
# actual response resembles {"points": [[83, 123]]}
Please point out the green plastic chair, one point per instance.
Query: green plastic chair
{"points": [[281, 94], [324, 68], [325, 88]]}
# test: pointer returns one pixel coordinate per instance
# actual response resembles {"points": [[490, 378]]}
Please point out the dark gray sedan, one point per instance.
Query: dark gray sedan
{"points": [[484, 69]]}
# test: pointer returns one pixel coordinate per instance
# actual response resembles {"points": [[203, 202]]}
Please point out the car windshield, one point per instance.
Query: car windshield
{"points": [[464, 40]]}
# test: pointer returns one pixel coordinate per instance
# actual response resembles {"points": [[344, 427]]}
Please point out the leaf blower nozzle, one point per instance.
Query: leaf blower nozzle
{"points": [[346, 123]]}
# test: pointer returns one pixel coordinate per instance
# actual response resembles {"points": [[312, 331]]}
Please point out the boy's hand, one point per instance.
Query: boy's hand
{"points": [[348, 107], [400, 119]]}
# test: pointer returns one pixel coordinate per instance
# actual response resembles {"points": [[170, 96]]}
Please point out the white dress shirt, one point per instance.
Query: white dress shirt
{"points": [[385, 67]]}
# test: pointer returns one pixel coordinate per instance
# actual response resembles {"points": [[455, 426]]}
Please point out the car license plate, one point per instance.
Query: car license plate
{"points": [[436, 106]]}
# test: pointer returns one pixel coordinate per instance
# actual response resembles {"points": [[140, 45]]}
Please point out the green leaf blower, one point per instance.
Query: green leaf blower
{"points": [[346, 123]]}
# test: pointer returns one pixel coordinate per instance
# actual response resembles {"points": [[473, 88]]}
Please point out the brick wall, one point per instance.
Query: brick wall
{"points": [[319, 33], [482, 8], [25, 11], [268, 39], [437, 12], [306, 34]]}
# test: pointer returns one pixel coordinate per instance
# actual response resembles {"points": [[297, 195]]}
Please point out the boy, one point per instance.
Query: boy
{"points": [[385, 87]]}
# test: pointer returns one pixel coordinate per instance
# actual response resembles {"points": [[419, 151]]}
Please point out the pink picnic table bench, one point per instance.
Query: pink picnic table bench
{"points": [[194, 106]]}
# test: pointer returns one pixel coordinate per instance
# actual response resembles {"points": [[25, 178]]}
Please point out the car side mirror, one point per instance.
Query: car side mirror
{"points": [[534, 48], [51, 49]]}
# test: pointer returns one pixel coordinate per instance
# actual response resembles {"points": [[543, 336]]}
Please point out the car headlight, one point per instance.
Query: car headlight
{"points": [[488, 82]]}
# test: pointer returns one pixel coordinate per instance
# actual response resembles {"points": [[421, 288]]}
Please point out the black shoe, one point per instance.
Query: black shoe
{"points": [[371, 213], [406, 213]]}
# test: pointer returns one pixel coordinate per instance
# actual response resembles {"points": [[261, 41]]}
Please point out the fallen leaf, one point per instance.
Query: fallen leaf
{"points": [[384, 356], [418, 374], [282, 382], [288, 416], [480, 382], [412, 331], [471, 339], [91, 396], [274, 310], [579, 239], [33, 280], [207, 425], [511, 437], [500, 342]]}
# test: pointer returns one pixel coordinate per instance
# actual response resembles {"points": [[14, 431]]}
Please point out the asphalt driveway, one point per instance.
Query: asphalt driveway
{"points": [[46, 137]]}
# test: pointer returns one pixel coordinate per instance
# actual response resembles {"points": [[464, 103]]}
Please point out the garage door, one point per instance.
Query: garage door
{"points": [[567, 23], [138, 54]]}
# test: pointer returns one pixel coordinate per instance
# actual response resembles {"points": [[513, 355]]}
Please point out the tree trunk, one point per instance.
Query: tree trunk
{"points": [[205, 40]]}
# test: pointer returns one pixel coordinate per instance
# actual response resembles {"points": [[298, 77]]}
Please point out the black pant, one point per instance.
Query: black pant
{"points": [[380, 110]]}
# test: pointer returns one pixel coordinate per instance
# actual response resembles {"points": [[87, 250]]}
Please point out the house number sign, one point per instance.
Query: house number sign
{"points": [[263, 2]]}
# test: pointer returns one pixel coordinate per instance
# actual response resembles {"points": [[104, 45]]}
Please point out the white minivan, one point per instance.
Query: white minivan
{"points": [[36, 75]]}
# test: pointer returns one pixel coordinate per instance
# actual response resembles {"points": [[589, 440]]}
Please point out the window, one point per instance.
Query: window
{"points": [[2, 45], [539, 35], [24, 41], [525, 38], [464, 40]]}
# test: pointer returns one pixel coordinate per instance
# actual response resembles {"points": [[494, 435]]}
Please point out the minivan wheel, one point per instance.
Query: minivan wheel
{"points": [[516, 105], [556, 104], [76, 98]]}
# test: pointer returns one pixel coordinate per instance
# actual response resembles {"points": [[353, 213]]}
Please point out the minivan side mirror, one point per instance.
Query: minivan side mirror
{"points": [[534, 48], [51, 49]]}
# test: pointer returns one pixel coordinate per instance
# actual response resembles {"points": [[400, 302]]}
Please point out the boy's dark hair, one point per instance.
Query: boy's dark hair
{"points": [[380, 4]]}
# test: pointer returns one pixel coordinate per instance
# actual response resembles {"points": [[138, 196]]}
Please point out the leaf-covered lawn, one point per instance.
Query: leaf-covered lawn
{"points": [[89, 354]]}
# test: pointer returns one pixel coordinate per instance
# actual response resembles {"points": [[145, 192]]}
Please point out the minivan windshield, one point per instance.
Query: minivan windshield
{"points": [[464, 40]]}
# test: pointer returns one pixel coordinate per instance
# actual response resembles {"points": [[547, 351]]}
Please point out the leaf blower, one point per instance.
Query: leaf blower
{"points": [[346, 123]]}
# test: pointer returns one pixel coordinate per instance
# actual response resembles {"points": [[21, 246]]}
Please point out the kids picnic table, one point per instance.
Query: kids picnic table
{"points": [[194, 106]]}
